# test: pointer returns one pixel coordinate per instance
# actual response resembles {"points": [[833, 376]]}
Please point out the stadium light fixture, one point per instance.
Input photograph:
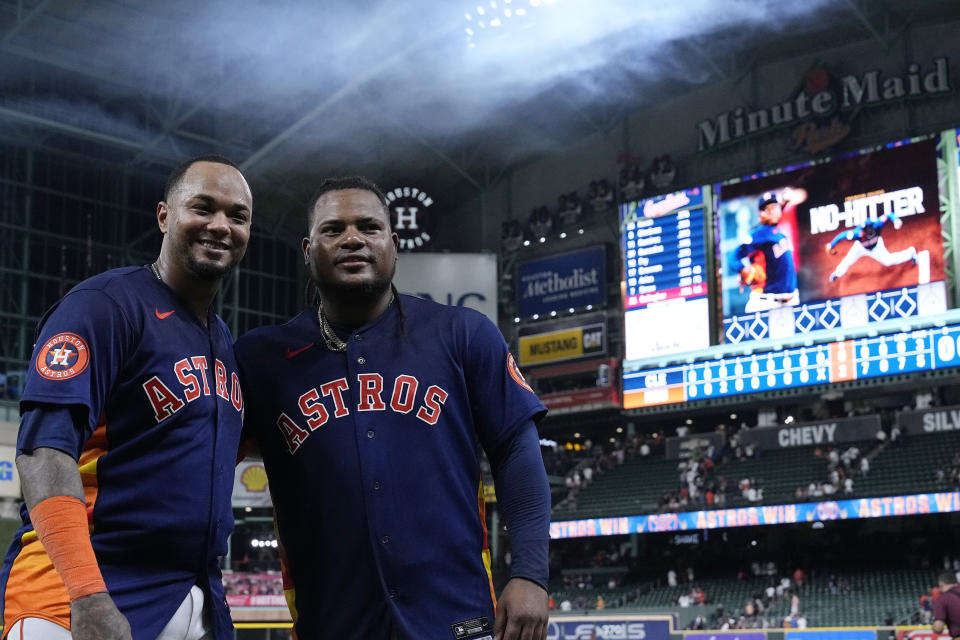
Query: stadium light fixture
{"points": [[495, 22], [580, 230], [788, 420], [542, 239], [576, 435], [526, 243], [469, 31], [689, 420], [553, 314], [516, 320], [733, 416], [521, 11], [536, 316], [612, 440], [619, 429], [480, 10], [589, 307], [563, 234], [572, 310], [508, 13]]}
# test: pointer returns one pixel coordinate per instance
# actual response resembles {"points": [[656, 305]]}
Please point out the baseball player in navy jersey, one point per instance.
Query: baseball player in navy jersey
{"points": [[130, 423], [867, 241], [779, 277], [367, 408]]}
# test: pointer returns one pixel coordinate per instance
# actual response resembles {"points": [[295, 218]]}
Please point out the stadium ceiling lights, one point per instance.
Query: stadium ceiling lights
{"points": [[499, 18]]}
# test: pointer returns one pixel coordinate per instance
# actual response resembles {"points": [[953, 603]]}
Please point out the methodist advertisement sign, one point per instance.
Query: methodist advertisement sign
{"points": [[559, 283]]}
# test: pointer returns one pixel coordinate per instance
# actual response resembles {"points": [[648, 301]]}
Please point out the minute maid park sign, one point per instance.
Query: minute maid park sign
{"points": [[822, 109]]}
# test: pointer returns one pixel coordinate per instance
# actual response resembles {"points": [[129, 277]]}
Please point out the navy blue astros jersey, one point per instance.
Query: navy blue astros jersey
{"points": [[163, 410], [373, 465], [778, 253]]}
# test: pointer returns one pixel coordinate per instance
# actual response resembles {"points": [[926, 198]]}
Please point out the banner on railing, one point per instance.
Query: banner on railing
{"points": [[808, 434], [917, 504], [257, 601], [930, 421], [609, 628]]}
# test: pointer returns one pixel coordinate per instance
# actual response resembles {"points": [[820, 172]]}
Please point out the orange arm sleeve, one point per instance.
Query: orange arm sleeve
{"points": [[61, 526]]}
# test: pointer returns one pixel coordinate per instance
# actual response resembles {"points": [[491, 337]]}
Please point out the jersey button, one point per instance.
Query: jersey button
{"points": [[370, 434], [361, 360], [376, 485], [385, 539]]}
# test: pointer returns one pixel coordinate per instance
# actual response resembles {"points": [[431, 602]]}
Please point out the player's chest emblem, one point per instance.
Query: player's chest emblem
{"points": [[781, 248], [405, 394], [193, 375]]}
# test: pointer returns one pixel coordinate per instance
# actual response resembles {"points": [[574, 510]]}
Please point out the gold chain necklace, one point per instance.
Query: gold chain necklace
{"points": [[156, 271], [334, 343]]}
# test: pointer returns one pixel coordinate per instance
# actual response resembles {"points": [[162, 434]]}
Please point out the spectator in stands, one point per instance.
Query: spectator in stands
{"points": [[896, 434], [573, 206], [671, 578], [566, 605], [848, 485], [798, 578], [864, 466], [511, 235], [565, 215], [939, 474], [541, 222], [603, 199]]}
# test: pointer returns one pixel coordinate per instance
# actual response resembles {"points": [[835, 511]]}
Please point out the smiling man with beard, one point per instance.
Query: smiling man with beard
{"points": [[367, 408], [131, 419]]}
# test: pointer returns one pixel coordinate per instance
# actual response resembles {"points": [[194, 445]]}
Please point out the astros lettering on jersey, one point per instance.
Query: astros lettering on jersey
{"points": [[164, 411], [373, 465]]}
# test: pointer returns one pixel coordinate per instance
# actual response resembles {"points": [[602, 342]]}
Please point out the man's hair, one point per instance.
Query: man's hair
{"points": [[342, 184], [947, 577], [173, 180]]}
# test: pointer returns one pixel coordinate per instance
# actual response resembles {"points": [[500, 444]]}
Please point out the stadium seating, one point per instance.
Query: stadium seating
{"points": [[872, 597], [637, 486]]}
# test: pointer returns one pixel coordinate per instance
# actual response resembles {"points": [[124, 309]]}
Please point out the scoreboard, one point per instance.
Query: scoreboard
{"points": [[665, 274], [855, 359]]}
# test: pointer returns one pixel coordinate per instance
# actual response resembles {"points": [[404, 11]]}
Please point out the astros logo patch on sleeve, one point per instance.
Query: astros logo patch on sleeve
{"points": [[515, 373], [62, 357]]}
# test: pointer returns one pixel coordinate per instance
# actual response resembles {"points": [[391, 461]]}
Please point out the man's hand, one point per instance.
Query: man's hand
{"points": [[96, 617], [521, 612], [753, 274]]}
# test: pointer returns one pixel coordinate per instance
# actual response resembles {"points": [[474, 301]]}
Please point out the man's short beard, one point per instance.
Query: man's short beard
{"points": [[357, 291], [208, 270]]}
